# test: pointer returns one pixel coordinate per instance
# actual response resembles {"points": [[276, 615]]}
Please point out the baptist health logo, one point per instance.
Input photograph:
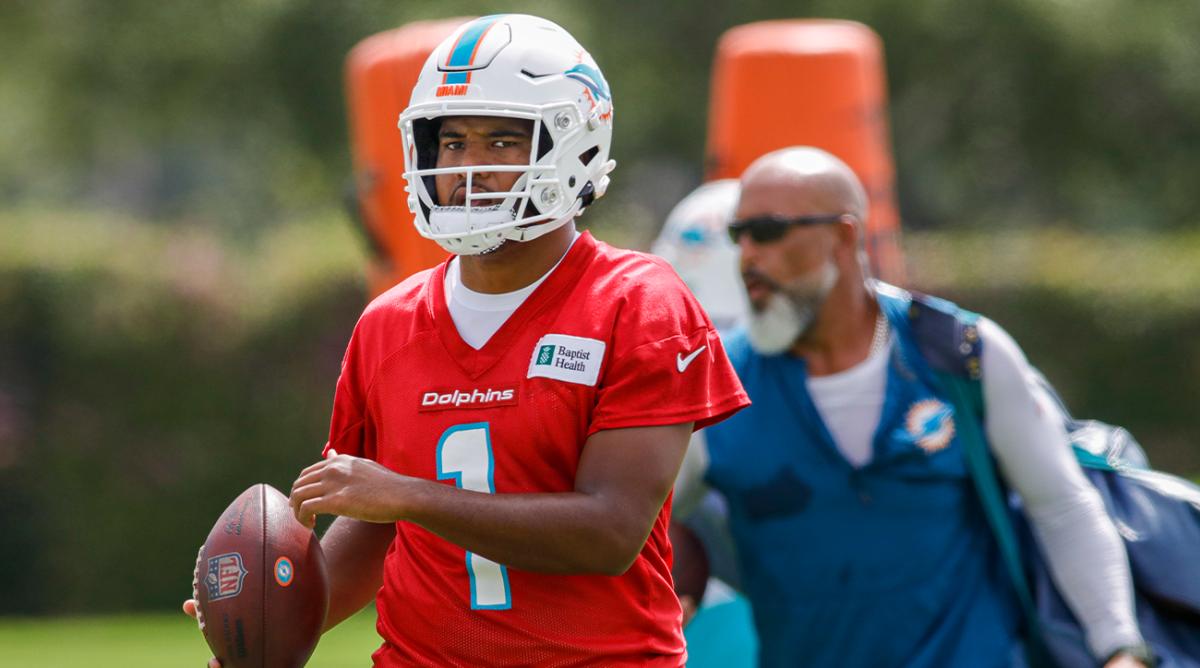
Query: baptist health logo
{"points": [[563, 357], [573, 359]]}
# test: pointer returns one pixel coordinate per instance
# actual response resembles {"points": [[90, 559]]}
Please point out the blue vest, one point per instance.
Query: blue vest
{"points": [[891, 564]]}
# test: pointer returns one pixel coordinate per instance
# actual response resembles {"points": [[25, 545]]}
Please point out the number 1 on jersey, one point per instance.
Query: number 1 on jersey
{"points": [[464, 455]]}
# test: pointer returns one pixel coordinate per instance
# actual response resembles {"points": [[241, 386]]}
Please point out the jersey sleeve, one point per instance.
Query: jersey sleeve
{"points": [[666, 363], [350, 431]]}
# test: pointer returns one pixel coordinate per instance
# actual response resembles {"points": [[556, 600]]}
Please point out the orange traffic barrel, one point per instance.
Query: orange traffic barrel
{"points": [[810, 82], [381, 71]]}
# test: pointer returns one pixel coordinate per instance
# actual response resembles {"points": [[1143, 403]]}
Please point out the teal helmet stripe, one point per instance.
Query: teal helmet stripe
{"points": [[464, 49]]}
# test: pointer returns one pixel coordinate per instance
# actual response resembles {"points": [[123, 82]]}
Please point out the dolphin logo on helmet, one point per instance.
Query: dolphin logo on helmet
{"points": [[590, 77]]}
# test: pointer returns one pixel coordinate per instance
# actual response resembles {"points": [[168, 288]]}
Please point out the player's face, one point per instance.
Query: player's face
{"points": [[466, 141]]}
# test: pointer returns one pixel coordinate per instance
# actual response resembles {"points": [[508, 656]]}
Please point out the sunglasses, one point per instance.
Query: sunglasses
{"points": [[765, 229]]}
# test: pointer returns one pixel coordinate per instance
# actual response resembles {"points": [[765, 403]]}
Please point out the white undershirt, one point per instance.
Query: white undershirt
{"points": [[851, 404], [478, 315], [1025, 430]]}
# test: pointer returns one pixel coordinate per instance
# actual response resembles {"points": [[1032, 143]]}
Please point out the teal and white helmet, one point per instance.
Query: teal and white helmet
{"points": [[514, 66], [696, 243]]}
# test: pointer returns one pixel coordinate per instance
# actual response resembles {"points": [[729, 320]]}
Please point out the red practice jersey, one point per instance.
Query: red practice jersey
{"points": [[611, 339]]}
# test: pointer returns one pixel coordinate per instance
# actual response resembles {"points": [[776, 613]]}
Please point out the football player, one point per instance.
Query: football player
{"points": [[694, 240], [507, 426]]}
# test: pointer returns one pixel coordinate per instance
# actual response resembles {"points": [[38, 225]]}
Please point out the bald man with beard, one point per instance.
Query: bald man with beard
{"points": [[860, 536]]}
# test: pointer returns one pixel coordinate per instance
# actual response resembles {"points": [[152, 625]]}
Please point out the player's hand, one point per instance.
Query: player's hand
{"points": [[189, 609], [347, 486], [688, 603], [1123, 660]]}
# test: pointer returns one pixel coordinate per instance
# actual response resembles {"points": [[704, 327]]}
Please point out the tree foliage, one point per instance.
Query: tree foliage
{"points": [[232, 113]]}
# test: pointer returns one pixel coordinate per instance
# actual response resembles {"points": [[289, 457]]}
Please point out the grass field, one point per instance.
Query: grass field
{"points": [[152, 641]]}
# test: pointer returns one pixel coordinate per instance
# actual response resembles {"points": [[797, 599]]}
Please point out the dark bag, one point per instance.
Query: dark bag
{"points": [[1157, 515]]}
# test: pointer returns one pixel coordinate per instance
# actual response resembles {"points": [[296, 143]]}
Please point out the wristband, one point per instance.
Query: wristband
{"points": [[1141, 652]]}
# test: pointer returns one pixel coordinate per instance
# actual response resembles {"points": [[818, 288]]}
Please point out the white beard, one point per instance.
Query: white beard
{"points": [[790, 312], [775, 328]]}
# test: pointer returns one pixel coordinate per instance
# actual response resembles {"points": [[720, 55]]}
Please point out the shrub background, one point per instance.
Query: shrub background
{"points": [[139, 393]]}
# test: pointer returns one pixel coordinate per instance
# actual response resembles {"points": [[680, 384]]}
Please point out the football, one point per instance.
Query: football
{"points": [[260, 584]]}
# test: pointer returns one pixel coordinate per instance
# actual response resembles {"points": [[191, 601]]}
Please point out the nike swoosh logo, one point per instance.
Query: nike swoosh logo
{"points": [[682, 363]]}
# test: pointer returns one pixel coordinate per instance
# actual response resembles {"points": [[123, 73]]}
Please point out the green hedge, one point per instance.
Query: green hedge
{"points": [[149, 375], [145, 379], [1112, 320]]}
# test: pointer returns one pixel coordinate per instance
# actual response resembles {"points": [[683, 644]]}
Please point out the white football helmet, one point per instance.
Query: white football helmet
{"points": [[696, 243], [515, 66]]}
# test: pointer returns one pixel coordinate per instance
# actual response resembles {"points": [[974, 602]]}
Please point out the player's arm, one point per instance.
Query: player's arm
{"points": [[623, 478], [1083, 549], [354, 552]]}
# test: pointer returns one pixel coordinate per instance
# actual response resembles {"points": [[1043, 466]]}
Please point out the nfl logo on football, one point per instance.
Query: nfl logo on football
{"points": [[225, 576]]}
